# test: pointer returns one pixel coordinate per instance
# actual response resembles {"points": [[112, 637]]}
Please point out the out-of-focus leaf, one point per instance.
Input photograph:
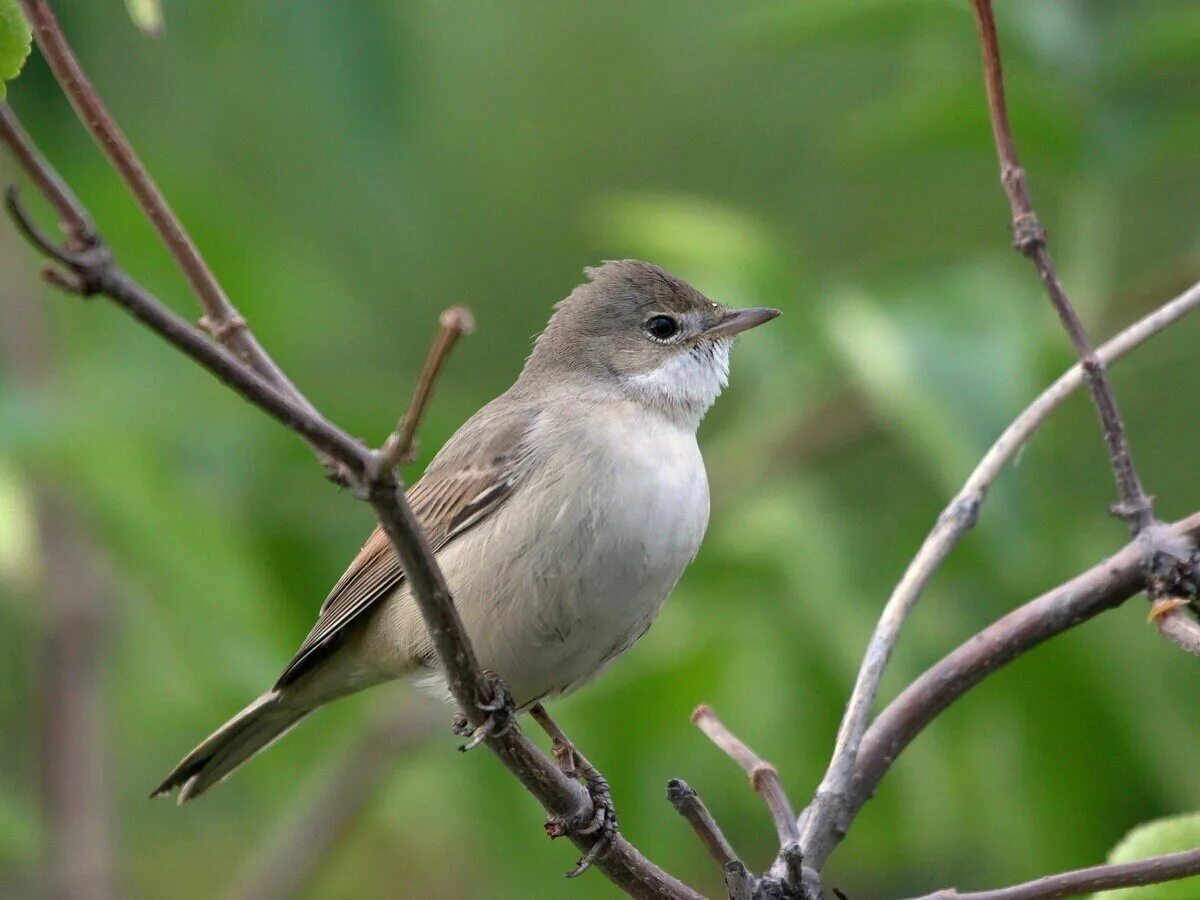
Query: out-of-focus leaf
{"points": [[947, 369], [1169, 835], [15, 40], [18, 561], [147, 15]]}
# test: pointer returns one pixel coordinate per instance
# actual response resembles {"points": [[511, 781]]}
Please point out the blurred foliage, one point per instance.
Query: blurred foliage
{"points": [[1169, 835], [350, 169], [14, 42]]}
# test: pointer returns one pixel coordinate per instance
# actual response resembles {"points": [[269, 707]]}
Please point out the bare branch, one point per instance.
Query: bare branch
{"points": [[1135, 507], [375, 482], [689, 805], [453, 323], [763, 776], [826, 822], [76, 223], [1102, 587], [1155, 870], [221, 318]]}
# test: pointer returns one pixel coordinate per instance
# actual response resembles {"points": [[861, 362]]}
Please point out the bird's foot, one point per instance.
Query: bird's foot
{"points": [[601, 823], [500, 714]]}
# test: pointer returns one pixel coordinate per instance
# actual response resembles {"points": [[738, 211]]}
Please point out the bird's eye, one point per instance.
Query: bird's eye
{"points": [[662, 327]]}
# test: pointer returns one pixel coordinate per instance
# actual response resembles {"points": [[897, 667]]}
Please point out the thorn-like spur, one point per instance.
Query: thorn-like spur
{"points": [[501, 712]]}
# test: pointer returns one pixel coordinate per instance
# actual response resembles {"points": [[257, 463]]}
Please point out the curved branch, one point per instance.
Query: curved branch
{"points": [[954, 522], [1102, 587]]}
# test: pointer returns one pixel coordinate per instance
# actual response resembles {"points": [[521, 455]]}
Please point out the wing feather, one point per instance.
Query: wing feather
{"points": [[466, 482]]}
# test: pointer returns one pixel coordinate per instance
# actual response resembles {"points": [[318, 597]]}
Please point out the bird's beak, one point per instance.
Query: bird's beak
{"points": [[738, 320]]}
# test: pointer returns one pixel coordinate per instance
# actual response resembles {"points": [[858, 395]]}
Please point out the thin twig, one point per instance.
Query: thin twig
{"points": [[453, 323], [376, 483], [1103, 587], [76, 223], [1134, 506], [221, 318], [688, 804], [763, 776], [1155, 870], [960, 514]]}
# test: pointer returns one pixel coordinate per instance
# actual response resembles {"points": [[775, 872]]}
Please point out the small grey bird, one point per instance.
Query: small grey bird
{"points": [[562, 513]]}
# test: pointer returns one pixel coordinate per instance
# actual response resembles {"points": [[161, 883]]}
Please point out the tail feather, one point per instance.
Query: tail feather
{"points": [[253, 729]]}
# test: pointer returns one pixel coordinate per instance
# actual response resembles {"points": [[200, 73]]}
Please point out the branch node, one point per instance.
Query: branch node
{"points": [[1028, 234], [222, 330]]}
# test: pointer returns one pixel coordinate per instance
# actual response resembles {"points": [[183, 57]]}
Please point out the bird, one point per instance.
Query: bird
{"points": [[563, 513]]}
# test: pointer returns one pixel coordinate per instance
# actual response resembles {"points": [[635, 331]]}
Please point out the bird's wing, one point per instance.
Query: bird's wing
{"points": [[470, 478]]}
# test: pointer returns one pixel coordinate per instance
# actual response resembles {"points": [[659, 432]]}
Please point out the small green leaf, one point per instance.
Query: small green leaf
{"points": [[15, 40], [147, 15], [1154, 838]]}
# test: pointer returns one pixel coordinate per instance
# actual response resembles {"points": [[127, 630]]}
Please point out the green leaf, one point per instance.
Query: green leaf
{"points": [[15, 40], [147, 15], [1169, 835]]}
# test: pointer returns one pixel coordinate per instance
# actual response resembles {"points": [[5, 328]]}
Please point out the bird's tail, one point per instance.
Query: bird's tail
{"points": [[258, 725]]}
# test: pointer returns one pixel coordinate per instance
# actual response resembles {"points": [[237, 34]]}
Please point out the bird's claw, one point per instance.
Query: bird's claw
{"points": [[603, 820], [501, 712]]}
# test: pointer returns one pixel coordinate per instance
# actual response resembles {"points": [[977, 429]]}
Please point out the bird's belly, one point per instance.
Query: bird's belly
{"points": [[559, 584]]}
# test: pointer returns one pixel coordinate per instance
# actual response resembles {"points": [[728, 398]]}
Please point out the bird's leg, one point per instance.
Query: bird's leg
{"points": [[573, 764], [562, 748], [500, 709]]}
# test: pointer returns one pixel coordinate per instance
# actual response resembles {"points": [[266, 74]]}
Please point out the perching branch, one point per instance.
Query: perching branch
{"points": [[1155, 870], [94, 272]]}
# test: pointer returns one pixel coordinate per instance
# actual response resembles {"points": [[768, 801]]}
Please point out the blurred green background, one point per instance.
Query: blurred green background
{"points": [[350, 169]]}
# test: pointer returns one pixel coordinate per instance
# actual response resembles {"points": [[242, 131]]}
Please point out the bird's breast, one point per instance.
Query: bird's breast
{"points": [[599, 536]]}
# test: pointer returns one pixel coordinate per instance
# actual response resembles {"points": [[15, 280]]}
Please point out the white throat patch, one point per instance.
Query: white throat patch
{"points": [[688, 383]]}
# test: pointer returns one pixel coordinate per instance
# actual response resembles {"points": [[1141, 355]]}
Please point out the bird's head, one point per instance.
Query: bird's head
{"points": [[648, 334]]}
